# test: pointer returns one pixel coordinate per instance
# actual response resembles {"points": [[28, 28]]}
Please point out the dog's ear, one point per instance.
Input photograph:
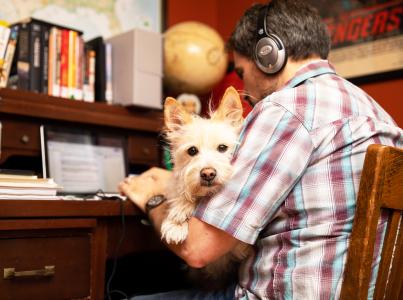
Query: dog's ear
{"points": [[230, 108], [174, 114]]}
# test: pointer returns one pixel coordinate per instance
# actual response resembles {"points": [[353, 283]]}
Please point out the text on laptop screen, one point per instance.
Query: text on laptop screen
{"points": [[84, 162]]}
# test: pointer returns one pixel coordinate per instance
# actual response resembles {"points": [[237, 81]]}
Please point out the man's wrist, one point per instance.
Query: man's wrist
{"points": [[154, 202]]}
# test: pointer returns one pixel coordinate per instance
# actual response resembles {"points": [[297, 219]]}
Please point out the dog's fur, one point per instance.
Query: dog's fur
{"points": [[201, 151]]}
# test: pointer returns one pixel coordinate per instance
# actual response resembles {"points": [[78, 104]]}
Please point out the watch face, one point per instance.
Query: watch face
{"points": [[155, 201]]}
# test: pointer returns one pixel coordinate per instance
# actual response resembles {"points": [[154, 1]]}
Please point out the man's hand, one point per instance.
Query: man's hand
{"points": [[141, 188]]}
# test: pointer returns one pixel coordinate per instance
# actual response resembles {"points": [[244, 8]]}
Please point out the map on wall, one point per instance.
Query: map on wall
{"points": [[92, 17]]}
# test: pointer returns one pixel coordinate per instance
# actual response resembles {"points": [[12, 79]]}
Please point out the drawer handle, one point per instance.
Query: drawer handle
{"points": [[47, 271], [25, 139]]}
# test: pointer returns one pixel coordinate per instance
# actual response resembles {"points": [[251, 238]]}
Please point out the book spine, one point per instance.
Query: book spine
{"points": [[100, 76], [4, 37], [45, 59], [9, 56], [80, 67], [51, 59], [23, 55], [89, 76], [108, 73], [64, 56], [57, 68], [71, 70], [35, 57]]}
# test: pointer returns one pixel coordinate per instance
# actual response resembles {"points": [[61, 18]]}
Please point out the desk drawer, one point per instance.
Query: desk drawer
{"points": [[143, 149], [20, 135], [45, 259]]}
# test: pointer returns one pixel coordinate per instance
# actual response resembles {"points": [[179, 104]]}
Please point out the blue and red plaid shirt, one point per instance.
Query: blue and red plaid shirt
{"points": [[296, 177]]}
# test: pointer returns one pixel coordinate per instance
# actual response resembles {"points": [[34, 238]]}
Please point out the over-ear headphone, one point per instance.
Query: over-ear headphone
{"points": [[270, 53]]}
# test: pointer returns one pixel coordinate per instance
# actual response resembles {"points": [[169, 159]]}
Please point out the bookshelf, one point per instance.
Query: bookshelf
{"points": [[23, 112]]}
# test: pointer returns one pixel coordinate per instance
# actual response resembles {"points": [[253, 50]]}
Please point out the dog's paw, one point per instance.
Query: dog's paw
{"points": [[174, 233]]}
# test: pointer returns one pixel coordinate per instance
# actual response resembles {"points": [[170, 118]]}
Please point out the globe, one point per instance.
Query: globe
{"points": [[194, 58]]}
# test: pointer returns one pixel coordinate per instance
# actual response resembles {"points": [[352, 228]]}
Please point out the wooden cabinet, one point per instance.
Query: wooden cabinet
{"points": [[58, 249], [42, 259]]}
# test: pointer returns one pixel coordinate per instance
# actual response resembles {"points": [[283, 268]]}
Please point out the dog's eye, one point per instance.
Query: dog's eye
{"points": [[222, 148], [192, 151]]}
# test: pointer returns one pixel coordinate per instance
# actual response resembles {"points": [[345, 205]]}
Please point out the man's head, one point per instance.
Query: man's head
{"points": [[299, 27]]}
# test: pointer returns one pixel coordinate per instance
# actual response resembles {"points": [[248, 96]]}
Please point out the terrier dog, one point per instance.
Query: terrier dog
{"points": [[201, 151]]}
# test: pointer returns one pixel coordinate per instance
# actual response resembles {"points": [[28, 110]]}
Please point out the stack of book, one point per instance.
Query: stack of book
{"points": [[26, 187], [54, 60]]}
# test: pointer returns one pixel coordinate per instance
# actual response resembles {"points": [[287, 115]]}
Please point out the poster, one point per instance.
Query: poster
{"points": [[366, 36]]}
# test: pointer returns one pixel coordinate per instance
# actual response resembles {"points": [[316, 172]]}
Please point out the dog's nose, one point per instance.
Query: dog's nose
{"points": [[208, 174]]}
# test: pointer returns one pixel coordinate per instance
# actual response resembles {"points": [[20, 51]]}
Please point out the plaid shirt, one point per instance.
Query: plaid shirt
{"points": [[296, 177]]}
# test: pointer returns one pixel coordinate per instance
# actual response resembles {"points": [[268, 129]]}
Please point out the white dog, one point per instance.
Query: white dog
{"points": [[201, 150]]}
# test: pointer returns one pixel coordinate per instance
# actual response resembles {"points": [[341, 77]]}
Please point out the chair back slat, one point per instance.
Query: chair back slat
{"points": [[396, 282], [381, 186], [388, 255], [393, 185]]}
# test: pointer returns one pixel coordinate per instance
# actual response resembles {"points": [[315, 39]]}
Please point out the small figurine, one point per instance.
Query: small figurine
{"points": [[190, 102]]}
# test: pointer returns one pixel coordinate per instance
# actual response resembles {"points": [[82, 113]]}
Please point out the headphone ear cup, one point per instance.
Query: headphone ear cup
{"points": [[270, 55]]}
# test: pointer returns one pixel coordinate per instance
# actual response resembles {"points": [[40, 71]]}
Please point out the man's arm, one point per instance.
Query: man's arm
{"points": [[204, 244]]}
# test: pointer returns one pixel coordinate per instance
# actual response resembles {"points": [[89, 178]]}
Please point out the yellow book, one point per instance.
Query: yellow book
{"points": [[4, 36], [71, 77]]}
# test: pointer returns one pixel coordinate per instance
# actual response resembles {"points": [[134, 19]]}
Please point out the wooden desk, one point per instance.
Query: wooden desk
{"points": [[74, 237]]}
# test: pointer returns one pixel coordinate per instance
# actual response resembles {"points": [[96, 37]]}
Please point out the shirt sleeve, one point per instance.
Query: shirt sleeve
{"points": [[274, 151]]}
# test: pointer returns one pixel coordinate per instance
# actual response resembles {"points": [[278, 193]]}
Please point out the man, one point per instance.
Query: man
{"points": [[297, 168]]}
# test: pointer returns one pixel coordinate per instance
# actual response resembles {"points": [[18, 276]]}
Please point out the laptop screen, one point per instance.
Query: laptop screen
{"points": [[83, 162]]}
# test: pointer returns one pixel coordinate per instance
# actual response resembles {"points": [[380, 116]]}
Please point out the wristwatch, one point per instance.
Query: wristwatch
{"points": [[154, 201]]}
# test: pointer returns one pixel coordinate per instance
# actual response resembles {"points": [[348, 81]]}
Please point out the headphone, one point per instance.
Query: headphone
{"points": [[270, 53]]}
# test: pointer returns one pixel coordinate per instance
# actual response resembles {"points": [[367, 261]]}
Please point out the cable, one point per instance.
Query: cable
{"points": [[115, 259]]}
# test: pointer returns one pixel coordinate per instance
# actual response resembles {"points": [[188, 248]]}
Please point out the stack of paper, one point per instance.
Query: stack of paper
{"points": [[27, 187]]}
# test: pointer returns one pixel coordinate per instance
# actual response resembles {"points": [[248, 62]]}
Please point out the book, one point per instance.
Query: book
{"points": [[45, 58], [71, 64], [4, 36], [9, 57], [22, 182], [29, 56], [64, 64], [108, 73], [10, 176], [97, 44], [30, 197], [35, 55], [27, 186], [32, 66], [23, 57], [51, 58], [89, 75], [80, 68]]}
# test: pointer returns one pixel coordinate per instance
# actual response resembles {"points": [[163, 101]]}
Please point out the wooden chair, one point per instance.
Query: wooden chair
{"points": [[381, 187]]}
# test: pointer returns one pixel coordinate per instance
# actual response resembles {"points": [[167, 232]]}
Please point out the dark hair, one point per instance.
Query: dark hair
{"points": [[297, 24]]}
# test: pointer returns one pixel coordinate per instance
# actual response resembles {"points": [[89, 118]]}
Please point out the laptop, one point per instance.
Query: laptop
{"points": [[83, 162]]}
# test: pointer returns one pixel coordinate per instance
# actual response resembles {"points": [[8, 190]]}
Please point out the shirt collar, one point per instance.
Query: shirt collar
{"points": [[310, 70]]}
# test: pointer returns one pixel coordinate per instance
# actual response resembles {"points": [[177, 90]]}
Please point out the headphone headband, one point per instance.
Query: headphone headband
{"points": [[261, 22]]}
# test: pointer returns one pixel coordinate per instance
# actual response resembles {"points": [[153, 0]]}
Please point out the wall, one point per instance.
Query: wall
{"points": [[389, 94], [223, 15]]}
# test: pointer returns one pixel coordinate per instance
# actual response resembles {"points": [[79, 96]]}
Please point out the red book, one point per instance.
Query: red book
{"points": [[64, 64]]}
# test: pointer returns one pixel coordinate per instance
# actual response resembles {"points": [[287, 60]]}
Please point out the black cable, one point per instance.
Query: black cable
{"points": [[115, 259]]}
